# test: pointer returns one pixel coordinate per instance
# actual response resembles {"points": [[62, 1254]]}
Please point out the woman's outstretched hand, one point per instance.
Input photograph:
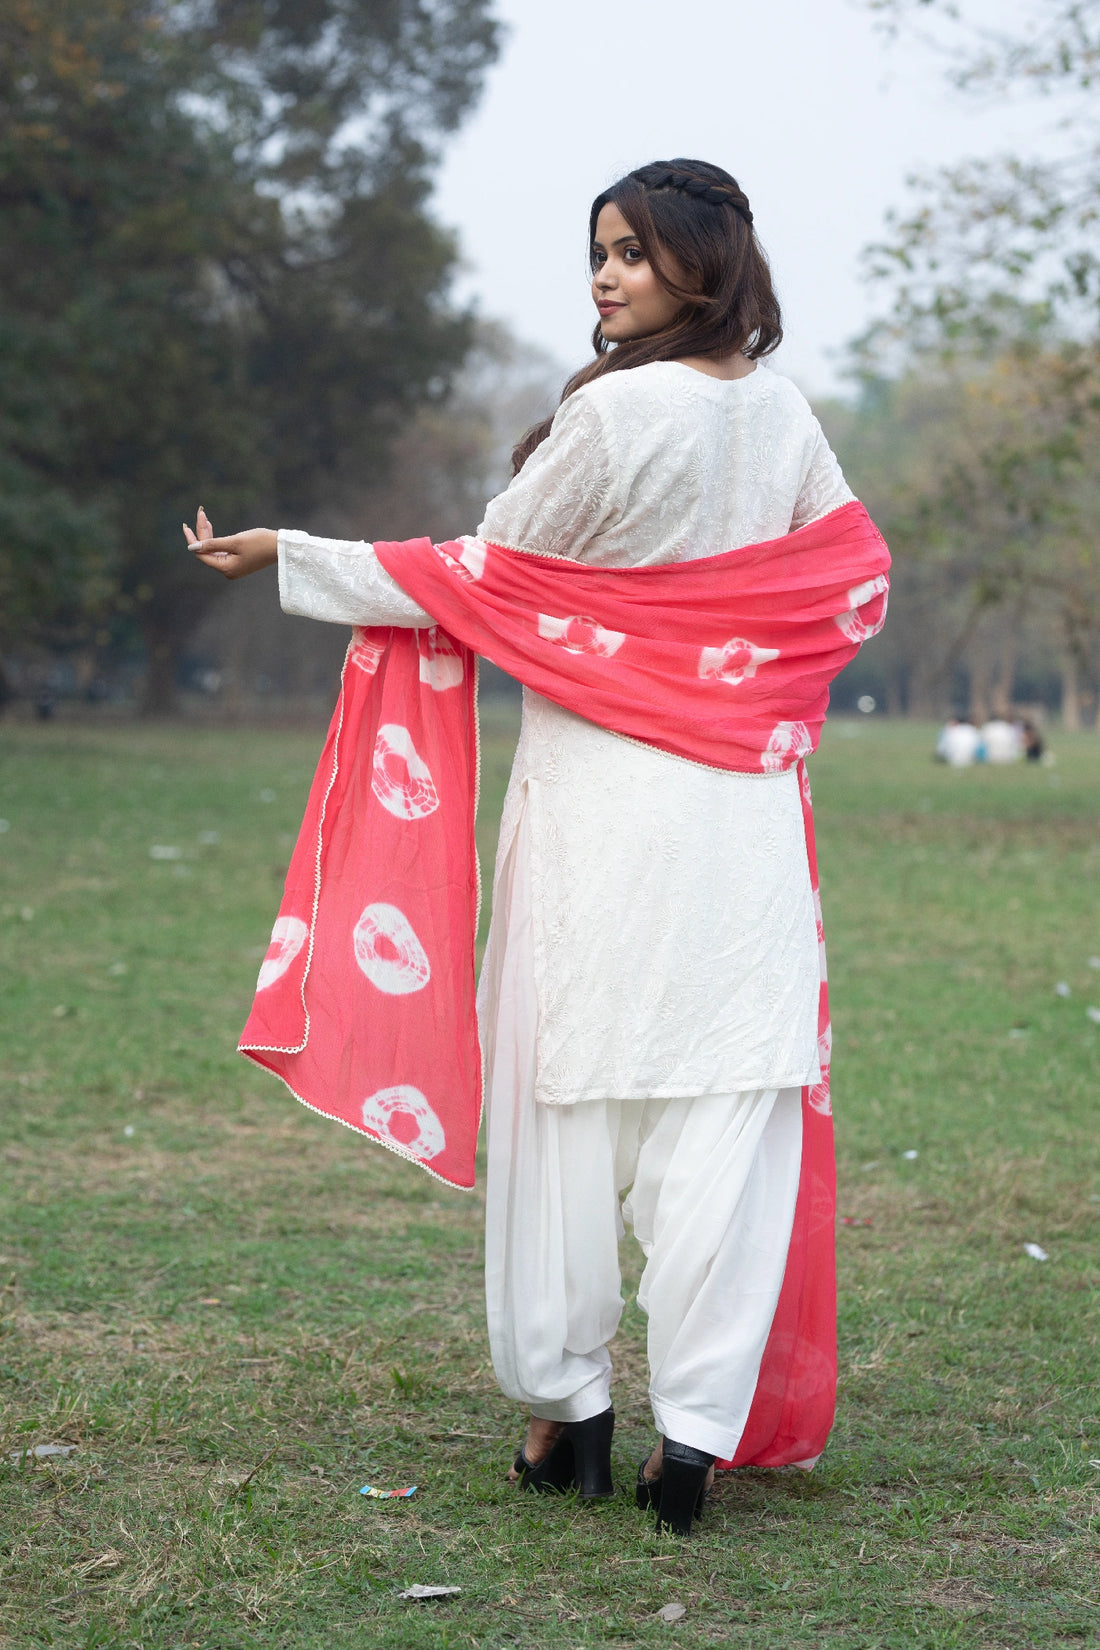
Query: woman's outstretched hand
{"points": [[235, 556]]}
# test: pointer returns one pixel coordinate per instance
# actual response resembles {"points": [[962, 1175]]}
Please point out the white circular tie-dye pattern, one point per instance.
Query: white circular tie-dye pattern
{"points": [[819, 1094], [401, 780], [734, 660], [365, 654], [382, 1110], [787, 742], [469, 564], [287, 938], [578, 634], [388, 951], [440, 661], [856, 629]]}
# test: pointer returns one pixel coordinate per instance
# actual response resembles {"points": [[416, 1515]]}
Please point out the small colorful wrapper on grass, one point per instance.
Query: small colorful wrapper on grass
{"points": [[386, 1495]]}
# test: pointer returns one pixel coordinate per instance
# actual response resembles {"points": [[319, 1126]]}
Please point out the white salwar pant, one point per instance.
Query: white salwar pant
{"points": [[712, 1183]]}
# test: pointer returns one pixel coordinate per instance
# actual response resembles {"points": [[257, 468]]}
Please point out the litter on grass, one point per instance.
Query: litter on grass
{"points": [[162, 850], [672, 1611], [910, 1155], [1036, 1251], [41, 1452], [395, 1495], [1093, 1014], [419, 1590], [128, 1130], [1062, 989]]}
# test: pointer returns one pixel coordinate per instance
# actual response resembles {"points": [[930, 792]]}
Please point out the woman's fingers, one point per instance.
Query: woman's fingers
{"points": [[236, 555], [220, 548], [203, 531], [218, 553]]}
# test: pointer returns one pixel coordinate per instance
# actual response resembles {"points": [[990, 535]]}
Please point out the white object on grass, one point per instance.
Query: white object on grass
{"points": [[672, 1611], [41, 1452], [1036, 1251]]}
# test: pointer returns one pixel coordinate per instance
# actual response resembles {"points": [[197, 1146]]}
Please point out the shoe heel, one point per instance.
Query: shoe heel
{"points": [[591, 1442], [647, 1491], [554, 1474], [683, 1484]]}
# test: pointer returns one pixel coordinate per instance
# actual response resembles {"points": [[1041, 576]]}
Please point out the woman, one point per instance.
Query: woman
{"points": [[649, 996]]}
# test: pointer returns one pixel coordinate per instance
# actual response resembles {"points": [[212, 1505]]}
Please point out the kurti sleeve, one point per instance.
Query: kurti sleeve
{"points": [[823, 486], [341, 581], [565, 493]]}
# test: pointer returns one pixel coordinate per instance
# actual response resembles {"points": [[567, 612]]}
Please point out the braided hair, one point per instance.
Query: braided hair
{"points": [[694, 218], [701, 182]]}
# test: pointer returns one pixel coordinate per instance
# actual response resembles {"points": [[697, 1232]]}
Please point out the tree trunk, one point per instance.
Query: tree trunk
{"points": [[1071, 694], [162, 655], [979, 686], [1002, 697]]}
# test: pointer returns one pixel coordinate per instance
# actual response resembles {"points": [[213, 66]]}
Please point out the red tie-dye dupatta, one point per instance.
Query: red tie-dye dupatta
{"points": [[365, 1001]]}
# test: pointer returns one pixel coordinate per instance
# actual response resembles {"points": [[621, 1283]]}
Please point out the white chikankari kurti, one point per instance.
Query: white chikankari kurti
{"points": [[661, 910]]}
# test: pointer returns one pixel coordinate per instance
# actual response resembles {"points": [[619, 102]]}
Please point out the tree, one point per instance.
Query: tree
{"points": [[446, 463], [216, 270], [983, 475], [994, 280]]}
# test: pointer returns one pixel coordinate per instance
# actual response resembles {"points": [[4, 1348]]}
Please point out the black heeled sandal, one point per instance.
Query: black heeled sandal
{"points": [[554, 1474], [647, 1491], [580, 1459], [592, 1453], [679, 1492]]}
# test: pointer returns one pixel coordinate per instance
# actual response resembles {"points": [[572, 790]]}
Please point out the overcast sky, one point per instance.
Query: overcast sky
{"points": [[818, 118]]}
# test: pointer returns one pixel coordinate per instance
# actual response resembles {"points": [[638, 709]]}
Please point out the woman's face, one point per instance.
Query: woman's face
{"points": [[625, 289]]}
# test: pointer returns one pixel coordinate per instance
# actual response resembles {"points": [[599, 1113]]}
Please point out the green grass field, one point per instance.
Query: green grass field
{"points": [[239, 1313]]}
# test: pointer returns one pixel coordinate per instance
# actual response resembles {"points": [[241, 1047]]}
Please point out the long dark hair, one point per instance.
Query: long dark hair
{"points": [[697, 214]]}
